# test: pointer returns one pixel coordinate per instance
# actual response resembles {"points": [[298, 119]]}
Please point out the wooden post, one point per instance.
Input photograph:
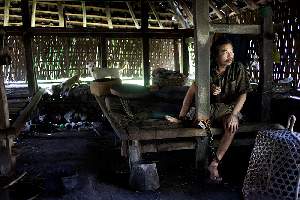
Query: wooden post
{"points": [[6, 12], [146, 47], [103, 52], [33, 13], [176, 56], [202, 72], [27, 40], [185, 56], [267, 68], [4, 112], [83, 13], [202, 53], [5, 142], [61, 14]]}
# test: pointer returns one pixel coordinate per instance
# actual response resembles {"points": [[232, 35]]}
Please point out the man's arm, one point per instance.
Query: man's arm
{"points": [[232, 122], [188, 99]]}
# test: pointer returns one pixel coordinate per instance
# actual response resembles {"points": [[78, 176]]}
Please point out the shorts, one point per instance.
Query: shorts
{"points": [[218, 112]]}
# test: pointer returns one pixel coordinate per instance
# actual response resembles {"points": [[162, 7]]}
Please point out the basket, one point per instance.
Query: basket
{"points": [[102, 87]]}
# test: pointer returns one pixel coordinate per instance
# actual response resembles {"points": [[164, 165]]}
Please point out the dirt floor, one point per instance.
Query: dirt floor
{"points": [[85, 166]]}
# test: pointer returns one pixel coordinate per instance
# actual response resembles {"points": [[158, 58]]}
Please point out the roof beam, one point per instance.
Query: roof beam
{"points": [[136, 23], [6, 12], [108, 15], [155, 14], [235, 29], [83, 13]]}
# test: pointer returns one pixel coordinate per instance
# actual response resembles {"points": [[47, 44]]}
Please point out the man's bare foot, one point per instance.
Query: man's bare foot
{"points": [[172, 119], [214, 173]]}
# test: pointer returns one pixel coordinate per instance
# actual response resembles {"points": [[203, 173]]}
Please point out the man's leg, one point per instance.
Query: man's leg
{"points": [[188, 99]]}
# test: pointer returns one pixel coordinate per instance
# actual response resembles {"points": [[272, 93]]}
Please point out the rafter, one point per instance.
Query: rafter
{"points": [[178, 14], [155, 14], [108, 15], [136, 23], [232, 6], [216, 10], [187, 10]]}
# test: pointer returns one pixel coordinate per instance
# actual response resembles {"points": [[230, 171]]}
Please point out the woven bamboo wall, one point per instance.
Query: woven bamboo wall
{"points": [[288, 38], [17, 70], [126, 54], [61, 57], [162, 53]]}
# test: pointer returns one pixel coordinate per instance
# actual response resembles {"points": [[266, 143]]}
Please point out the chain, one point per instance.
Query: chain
{"points": [[211, 146], [125, 105]]}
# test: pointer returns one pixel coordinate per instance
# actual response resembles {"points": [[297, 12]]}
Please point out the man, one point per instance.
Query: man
{"points": [[229, 86]]}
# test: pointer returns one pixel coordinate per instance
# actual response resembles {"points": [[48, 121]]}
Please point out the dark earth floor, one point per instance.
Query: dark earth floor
{"points": [[84, 166]]}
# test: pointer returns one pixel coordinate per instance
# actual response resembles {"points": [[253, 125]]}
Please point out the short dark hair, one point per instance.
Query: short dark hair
{"points": [[216, 45]]}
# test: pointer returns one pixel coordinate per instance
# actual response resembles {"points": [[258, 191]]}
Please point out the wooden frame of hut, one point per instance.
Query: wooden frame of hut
{"points": [[29, 21]]}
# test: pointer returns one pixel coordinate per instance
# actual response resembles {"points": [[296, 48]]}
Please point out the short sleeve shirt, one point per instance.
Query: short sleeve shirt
{"points": [[234, 82]]}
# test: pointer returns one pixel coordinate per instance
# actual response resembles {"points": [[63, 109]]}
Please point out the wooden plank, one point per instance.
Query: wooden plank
{"points": [[156, 133], [83, 13], [136, 23], [235, 29], [60, 8], [202, 50], [27, 41], [108, 16], [6, 12], [201, 158], [169, 146], [25, 113], [176, 56], [119, 131], [185, 56], [155, 14], [266, 70]]}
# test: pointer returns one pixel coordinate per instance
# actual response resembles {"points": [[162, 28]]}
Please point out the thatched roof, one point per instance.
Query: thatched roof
{"points": [[120, 14]]}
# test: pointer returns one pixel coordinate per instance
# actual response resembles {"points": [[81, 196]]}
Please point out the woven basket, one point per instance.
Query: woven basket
{"points": [[101, 88]]}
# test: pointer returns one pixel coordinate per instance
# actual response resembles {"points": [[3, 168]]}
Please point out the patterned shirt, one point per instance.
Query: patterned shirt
{"points": [[233, 82]]}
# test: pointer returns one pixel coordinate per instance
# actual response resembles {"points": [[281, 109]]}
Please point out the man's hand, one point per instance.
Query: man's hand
{"points": [[215, 90], [232, 123]]}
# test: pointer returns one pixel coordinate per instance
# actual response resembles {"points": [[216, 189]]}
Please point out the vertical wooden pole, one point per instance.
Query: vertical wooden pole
{"points": [[267, 68], [146, 47], [5, 142], [103, 51], [27, 40], [176, 56], [202, 73], [33, 13], [61, 14], [83, 13], [185, 56], [6, 12], [4, 112], [202, 53]]}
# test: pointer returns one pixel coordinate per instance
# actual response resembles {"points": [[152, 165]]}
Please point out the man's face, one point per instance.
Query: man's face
{"points": [[225, 55]]}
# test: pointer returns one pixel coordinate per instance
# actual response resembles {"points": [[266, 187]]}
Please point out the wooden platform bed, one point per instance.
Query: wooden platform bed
{"points": [[142, 128]]}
